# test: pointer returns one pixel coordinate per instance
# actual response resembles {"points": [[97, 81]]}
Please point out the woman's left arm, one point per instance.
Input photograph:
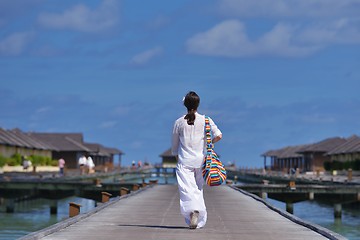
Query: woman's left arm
{"points": [[217, 138]]}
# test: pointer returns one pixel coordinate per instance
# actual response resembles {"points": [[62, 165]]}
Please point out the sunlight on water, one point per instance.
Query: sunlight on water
{"points": [[323, 214], [33, 215]]}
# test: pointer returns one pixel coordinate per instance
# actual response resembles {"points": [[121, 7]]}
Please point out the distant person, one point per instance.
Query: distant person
{"points": [[82, 164], [26, 163], [90, 164], [188, 145], [139, 164], [61, 164], [133, 165]]}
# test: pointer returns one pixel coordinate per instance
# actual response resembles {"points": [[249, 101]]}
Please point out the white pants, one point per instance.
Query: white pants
{"points": [[190, 183]]}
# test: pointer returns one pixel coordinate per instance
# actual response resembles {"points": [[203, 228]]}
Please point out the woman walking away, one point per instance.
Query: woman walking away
{"points": [[189, 147]]}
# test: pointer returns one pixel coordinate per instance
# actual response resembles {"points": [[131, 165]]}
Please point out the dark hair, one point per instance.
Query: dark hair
{"points": [[191, 102]]}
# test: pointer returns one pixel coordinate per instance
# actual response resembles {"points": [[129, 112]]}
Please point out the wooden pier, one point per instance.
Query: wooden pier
{"points": [[292, 193], [153, 213]]}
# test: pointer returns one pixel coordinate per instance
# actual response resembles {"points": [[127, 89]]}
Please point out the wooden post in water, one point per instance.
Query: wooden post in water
{"points": [[105, 197], [349, 174], [292, 185], [290, 207], [165, 175], [337, 210], [124, 191], [155, 181], [10, 205], [143, 178], [53, 206], [263, 195], [74, 209], [311, 195], [97, 182]]}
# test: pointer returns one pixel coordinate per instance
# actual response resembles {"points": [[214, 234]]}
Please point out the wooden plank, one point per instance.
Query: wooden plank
{"points": [[154, 214]]}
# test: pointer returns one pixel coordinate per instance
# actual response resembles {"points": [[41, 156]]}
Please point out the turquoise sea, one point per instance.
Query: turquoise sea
{"points": [[323, 214]]}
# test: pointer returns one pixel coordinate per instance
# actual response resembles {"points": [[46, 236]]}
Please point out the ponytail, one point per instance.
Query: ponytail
{"points": [[191, 102], [190, 117]]}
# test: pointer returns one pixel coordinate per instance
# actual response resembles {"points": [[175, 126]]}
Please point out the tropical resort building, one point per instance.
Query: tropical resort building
{"points": [[312, 157], [17, 142], [69, 146], [349, 150], [168, 160]]}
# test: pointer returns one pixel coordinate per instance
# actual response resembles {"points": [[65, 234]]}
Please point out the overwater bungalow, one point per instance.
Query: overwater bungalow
{"points": [[315, 155], [17, 142], [349, 150], [168, 160], [104, 156], [311, 157], [69, 146], [285, 158]]}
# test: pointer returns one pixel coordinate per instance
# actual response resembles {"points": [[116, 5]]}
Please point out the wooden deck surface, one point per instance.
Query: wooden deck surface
{"points": [[154, 214]]}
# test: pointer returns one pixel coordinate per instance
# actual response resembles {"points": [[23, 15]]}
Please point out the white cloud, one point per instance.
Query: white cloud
{"points": [[136, 144], [287, 8], [301, 28], [282, 41], [144, 57], [317, 119], [108, 124], [43, 109], [82, 18], [15, 43], [229, 39], [340, 31], [121, 110]]}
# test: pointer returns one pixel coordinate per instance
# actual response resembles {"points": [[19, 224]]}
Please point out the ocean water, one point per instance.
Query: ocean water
{"points": [[322, 214], [34, 215]]}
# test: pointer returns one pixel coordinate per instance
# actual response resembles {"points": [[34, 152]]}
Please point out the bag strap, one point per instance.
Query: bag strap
{"points": [[209, 144]]}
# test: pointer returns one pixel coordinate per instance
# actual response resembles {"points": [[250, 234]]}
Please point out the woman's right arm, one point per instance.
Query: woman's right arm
{"points": [[175, 140]]}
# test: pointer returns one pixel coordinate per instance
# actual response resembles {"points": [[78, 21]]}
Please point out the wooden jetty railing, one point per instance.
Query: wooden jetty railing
{"points": [[291, 193], [54, 190]]}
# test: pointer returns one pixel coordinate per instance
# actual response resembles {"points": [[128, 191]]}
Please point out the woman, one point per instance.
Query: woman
{"points": [[188, 145]]}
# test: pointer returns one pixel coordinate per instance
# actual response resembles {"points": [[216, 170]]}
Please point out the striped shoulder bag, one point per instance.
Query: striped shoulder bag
{"points": [[213, 170]]}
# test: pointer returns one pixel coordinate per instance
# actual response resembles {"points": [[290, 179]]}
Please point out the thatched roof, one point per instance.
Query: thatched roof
{"points": [[351, 145], [100, 150], [167, 153], [323, 146], [62, 141], [18, 138], [286, 152]]}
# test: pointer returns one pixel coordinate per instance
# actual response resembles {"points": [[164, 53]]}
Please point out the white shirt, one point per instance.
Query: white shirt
{"points": [[82, 160], [188, 141], [90, 162]]}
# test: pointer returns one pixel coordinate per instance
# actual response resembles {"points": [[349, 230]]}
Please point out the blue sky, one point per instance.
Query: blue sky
{"points": [[271, 73]]}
